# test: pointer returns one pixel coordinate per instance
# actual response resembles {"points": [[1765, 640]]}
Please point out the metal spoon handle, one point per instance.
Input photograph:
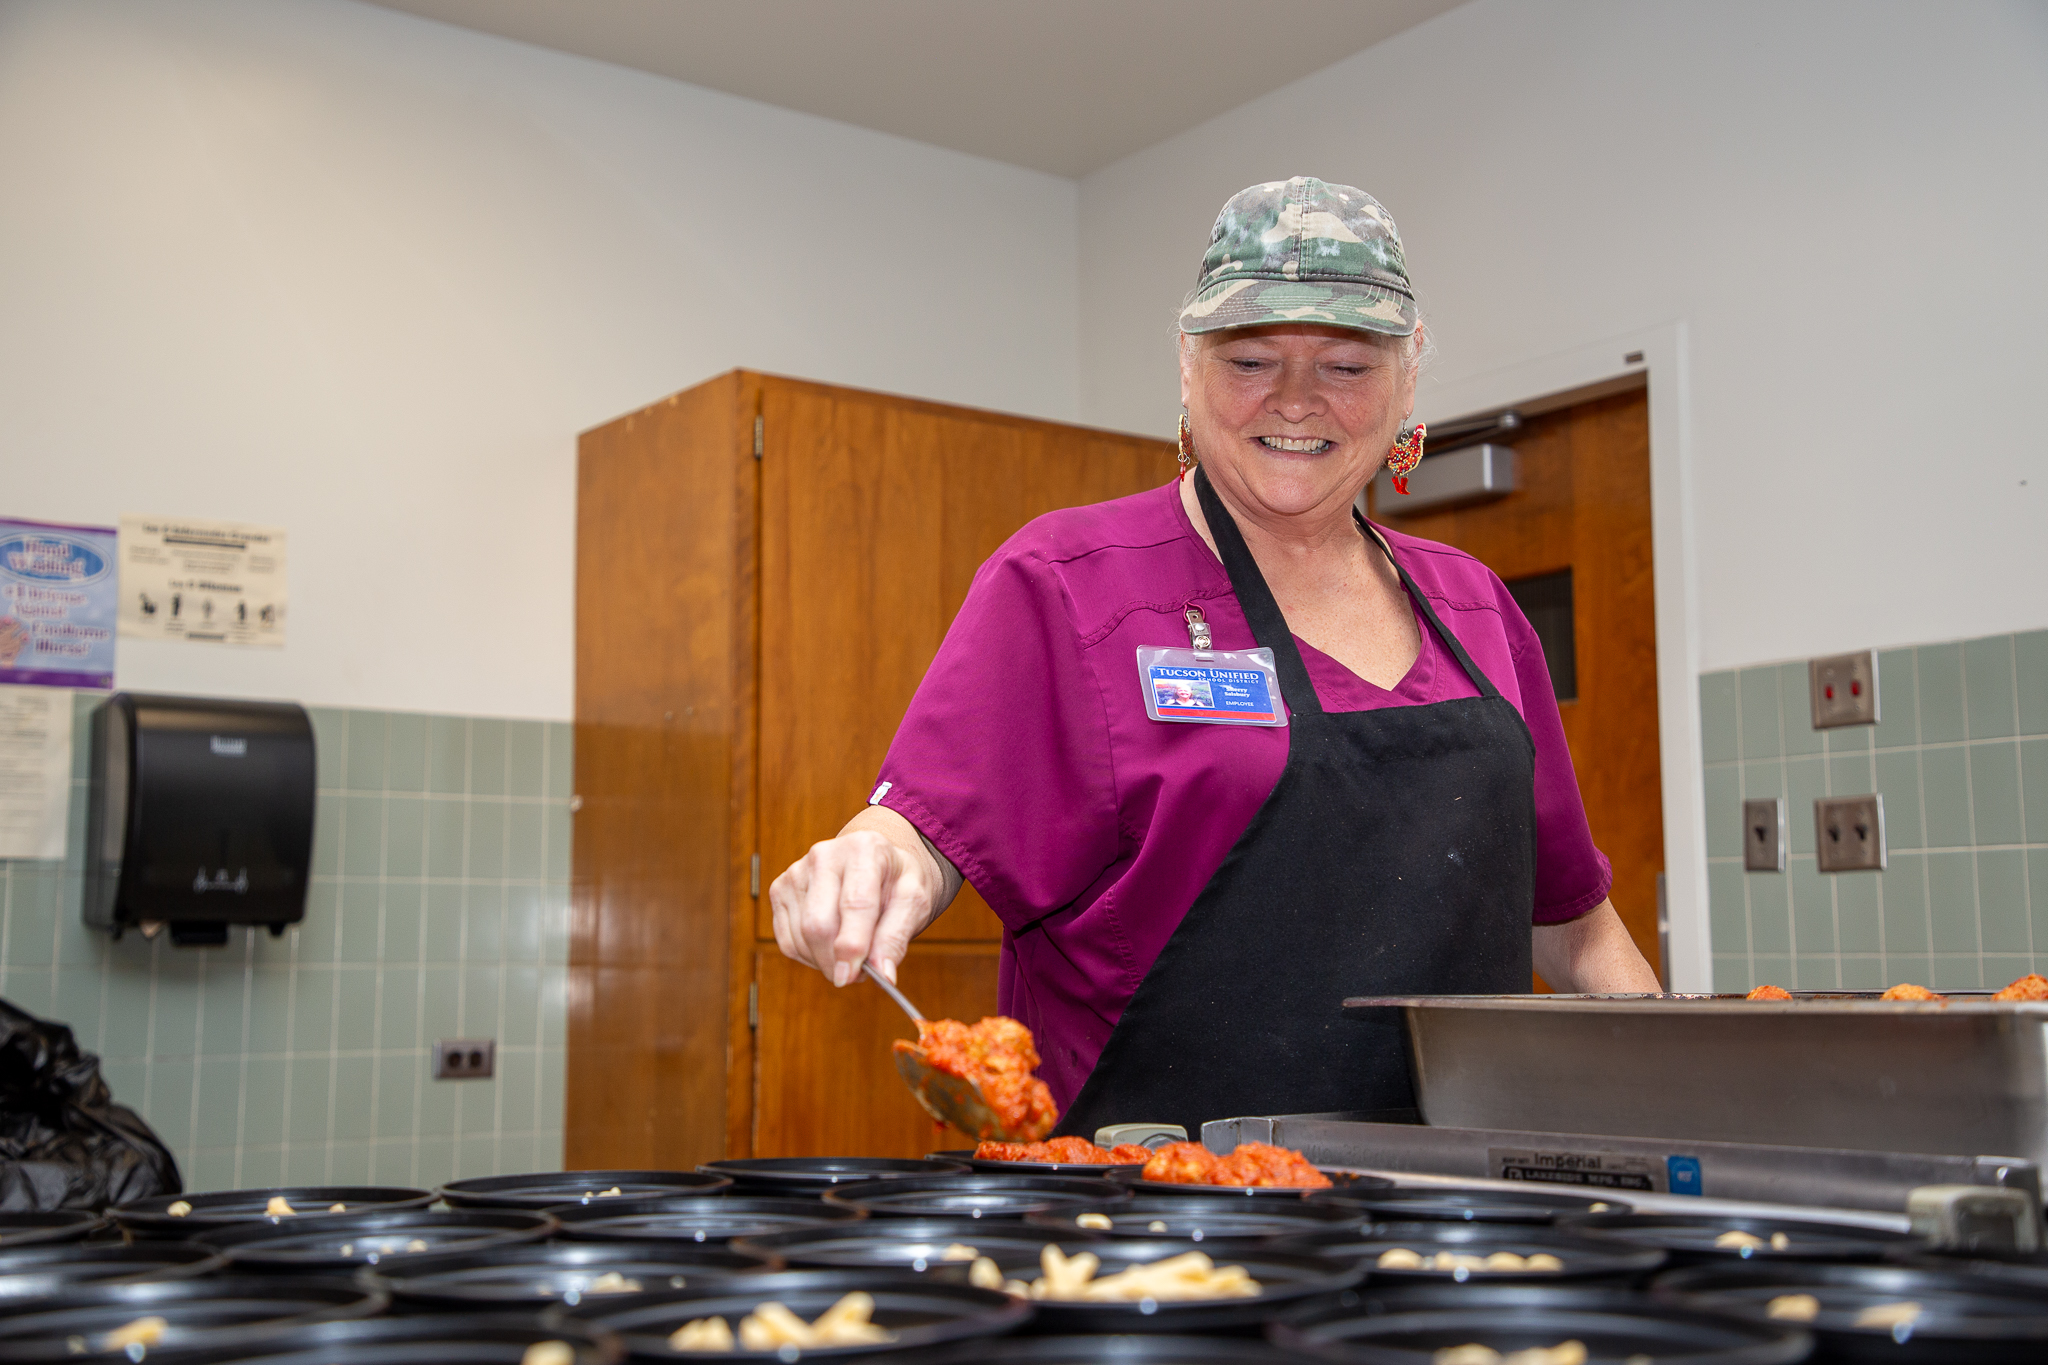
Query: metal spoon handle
{"points": [[889, 987]]}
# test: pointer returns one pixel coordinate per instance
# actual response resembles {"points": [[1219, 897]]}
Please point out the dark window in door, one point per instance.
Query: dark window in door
{"points": [[1546, 599]]}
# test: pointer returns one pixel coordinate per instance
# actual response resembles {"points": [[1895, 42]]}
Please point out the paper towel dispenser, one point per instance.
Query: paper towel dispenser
{"points": [[199, 815]]}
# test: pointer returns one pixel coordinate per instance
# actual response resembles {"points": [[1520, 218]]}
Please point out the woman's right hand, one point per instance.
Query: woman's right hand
{"points": [[861, 897]]}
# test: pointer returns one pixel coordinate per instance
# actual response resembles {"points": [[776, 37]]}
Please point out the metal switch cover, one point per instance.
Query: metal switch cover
{"points": [[1763, 835], [1848, 833], [1844, 689]]}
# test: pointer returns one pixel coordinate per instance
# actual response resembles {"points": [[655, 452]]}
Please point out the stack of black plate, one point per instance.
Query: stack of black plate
{"points": [[944, 1247], [1341, 1182], [1582, 1258], [343, 1244], [1411, 1326], [1288, 1281], [797, 1176], [966, 1156], [43, 1229], [108, 1321], [1155, 1349], [550, 1189], [40, 1271], [202, 1213], [1704, 1239], [534, 1276], [978, 1195], [1449, 1204], [713, 1221], [1877, 1313], [443, 1340], [1206, 1222], [916, 1311]]}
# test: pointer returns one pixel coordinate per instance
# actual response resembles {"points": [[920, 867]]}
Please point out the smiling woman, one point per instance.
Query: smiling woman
{"points": [[1188, 893]]}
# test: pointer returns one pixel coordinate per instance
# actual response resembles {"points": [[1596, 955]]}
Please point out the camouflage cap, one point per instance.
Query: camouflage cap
{"points": [[1301, 250]]}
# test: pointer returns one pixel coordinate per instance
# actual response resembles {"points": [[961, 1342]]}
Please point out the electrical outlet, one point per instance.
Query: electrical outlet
{"points": [[465, 1059], [1763, 835], [1844, 688], [1848, 833]]}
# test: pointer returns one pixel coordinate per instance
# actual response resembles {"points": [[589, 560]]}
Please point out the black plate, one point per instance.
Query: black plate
{"points": [[33, 1272], [715, 1221], [1450, 1205], [1965, 1318], [226, 1208], [801, 1175], [1288, 1281], [972, 1196], [1099, 1169], [197, 1312], [1584, 1259], [1688, 1238], [919, 1310], [1408, 1326], [42, 1229], [444, 1340], [535, 1275], [346, 1243], [1122, 1350], [916, 1244], [1341, 1182], [1200, 1219], [549, 1189]]}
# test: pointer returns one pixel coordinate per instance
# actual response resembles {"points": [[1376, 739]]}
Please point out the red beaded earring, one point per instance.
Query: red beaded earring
{"points": [[1187, 447], [1406, 454]]}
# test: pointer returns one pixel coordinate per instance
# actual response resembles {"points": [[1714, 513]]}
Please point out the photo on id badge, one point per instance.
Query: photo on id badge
{"points": [[1211, 686]]}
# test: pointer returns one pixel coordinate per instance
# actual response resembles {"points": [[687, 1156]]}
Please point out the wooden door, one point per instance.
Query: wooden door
{"points": [[1584, 510], [664, 723], [875, 514]]}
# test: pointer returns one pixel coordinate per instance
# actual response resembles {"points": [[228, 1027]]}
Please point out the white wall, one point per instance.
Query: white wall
{"points": [[321, 265], [1843, 203]]}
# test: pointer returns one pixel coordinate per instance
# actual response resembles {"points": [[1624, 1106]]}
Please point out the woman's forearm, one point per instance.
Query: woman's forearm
{"points": [[1591, 954]]}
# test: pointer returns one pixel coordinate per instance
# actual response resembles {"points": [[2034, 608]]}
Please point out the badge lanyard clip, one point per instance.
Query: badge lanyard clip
{"points": [[1209, 685]]}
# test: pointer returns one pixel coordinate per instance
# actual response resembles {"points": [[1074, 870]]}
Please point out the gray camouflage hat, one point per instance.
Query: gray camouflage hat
{"points": [[1301, 250]]}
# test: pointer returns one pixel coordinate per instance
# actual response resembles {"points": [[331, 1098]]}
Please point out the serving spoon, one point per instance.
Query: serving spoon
{"points": [[946, 1097]]}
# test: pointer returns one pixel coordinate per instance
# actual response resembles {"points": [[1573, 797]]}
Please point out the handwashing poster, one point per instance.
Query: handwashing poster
{"points": [[59, 597]]}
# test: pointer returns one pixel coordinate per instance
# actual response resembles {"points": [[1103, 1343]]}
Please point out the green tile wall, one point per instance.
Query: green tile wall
{"points": [[1961, 756], [439, 908]]}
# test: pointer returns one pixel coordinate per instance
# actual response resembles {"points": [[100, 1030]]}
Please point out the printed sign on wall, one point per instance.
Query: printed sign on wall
{"points": [[211, 582], [57, 595]]}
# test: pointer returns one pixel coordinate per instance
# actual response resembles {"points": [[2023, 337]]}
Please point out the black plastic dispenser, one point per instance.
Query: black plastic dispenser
{"points": [[200, 815]]}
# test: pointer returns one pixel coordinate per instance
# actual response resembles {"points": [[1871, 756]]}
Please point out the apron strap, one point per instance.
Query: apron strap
{"points": [[1472, 670], [1269, 626]]}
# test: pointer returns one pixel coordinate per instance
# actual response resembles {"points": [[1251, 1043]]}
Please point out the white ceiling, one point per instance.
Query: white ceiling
{"points": [[1065, 86]]}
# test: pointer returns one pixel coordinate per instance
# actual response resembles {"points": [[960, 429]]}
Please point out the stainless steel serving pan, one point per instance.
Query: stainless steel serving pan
{"points": [[1840, 1070]]}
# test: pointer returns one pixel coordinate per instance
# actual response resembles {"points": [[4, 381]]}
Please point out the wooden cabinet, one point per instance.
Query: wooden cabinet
{"points": [[765, 568]]}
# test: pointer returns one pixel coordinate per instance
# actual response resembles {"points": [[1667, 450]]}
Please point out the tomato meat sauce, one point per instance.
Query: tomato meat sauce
{"points": [[1252, 1163], [997, 1056]]}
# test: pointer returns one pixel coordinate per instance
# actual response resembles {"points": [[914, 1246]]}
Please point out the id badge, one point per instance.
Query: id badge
{"points": [[1211, 686]]}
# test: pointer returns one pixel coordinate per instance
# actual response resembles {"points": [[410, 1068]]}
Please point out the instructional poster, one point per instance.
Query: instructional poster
{"points": [[35, 771], [211, 582], [57, 595]]}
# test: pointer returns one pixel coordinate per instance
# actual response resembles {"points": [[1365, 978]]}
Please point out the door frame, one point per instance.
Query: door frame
{"points": [[1665, 367]]}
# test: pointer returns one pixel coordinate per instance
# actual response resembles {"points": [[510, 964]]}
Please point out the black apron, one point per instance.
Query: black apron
{"points": [[1396, 855]]}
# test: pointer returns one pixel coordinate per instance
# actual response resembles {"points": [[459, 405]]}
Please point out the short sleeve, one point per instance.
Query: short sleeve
{"points": [[1003, 759], [1572, 875]]}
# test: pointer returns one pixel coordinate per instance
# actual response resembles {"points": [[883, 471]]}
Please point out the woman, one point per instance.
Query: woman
{"points": [[1188, 898]]}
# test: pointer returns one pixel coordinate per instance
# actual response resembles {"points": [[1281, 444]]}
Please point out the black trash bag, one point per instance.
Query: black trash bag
{"points": [[64, 1143]]}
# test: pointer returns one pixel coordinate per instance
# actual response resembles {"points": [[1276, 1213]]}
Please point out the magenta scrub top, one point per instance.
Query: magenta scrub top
{"points": [[1027, 758]]}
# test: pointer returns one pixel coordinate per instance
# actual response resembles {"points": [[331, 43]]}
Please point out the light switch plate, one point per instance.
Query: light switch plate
{"points": [[1844, 688], [1763, 835], [465, 1059], [1848, 833]]}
